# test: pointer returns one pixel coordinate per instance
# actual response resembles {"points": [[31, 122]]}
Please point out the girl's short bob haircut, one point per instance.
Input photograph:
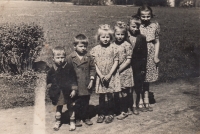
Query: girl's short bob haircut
{"points": [[120, 25], [80, 38], [58, 50], [104, 29], [144, 8]]}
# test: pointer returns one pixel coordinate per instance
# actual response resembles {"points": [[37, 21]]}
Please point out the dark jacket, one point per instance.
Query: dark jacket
{"points": [[85, 69], [139, 56], [61, 79]]}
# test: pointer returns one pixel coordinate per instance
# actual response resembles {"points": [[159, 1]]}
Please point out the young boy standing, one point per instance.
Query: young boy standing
{"points": [[85, 71], [138, 63], [62, 86]]}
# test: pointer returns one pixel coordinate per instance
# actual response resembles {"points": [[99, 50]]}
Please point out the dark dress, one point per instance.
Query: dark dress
{"points": [[60, 82]]}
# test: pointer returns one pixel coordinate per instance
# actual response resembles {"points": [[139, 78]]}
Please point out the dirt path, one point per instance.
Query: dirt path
{"points": [[176, 112]]}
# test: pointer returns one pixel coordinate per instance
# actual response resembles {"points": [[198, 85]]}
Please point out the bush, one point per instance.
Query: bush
{"points": [[151, 2], [19, 46]]}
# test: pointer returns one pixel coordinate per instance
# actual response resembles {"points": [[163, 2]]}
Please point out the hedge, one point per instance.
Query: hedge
{"points": [[19, 46]]}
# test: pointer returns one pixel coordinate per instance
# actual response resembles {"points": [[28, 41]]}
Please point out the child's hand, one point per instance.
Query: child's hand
{"points": [[49, 86], [142, 72], [90, 84], [156, 60], [102, 77], [107, 77], [73, 93]]}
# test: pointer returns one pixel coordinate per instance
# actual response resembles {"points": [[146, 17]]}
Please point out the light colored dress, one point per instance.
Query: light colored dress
{"points": [[151, 32], [125, 52], [104, 58]]}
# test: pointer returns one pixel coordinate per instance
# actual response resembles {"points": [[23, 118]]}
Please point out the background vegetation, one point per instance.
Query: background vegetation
{"points": [[19, 46]]}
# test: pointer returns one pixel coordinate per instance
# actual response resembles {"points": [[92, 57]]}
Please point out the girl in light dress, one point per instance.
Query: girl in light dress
{"points": [[106, 59], [125, 70]]}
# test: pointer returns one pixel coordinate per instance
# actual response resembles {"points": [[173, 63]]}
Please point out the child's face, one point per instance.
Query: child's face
{"points": [[80, 48], [119, 35], [59, 57], [145, 17], [104, 39], [133, 28]]}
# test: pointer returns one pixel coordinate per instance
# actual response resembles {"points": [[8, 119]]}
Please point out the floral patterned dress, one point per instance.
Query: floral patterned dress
{"points": [[125, 52], [151, 32], [104, 58]]}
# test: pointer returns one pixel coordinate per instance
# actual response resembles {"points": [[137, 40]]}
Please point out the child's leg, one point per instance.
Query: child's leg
{"points": [[58, 117], [139, 82], [146, 96], [124, 106], [85, 110], [71, 109], [102, 108], [110, 107], [131, 100], [78, 111], [117, 103]]}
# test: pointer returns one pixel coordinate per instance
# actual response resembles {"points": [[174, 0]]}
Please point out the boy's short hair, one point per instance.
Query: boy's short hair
{"points": [[58, 50], [80, 38], [135, 20]]}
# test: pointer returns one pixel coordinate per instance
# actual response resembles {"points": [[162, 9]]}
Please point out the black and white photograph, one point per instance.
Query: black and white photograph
{"points": [[99, 66]]}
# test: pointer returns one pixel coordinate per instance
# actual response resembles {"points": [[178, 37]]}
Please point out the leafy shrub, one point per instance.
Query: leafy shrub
{"points": [[19, 46]]}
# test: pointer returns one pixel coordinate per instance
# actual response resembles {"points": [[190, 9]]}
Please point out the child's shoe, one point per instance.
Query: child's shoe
{"points": [[100, 118], [57, 126], [142, 108], [72, 125], [130, 112], [78, 123], [109, 119], [148, 107], [88, 122], [122, 116], [135, 111]]}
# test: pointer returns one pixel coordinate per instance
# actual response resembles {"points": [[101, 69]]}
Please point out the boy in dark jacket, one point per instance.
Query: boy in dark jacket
{"points": [[139, 61], [62, 86], [85, 71]]}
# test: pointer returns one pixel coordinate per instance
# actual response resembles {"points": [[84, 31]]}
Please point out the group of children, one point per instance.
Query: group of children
{"points": [[121, 66]]}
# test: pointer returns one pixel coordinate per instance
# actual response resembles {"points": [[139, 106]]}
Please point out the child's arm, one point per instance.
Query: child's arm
{"points": [[157, 43], [129, 52], [114, 67], [73, 78], [157, 46], [124, 65], [99, 73], [92, 72]]}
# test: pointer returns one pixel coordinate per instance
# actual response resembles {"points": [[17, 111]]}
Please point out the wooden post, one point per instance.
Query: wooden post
{"points": [[39, 107]]}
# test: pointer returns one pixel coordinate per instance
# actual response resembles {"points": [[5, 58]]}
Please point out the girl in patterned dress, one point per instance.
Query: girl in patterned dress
{"points": [[125, 70], [151, 31], [108, 81]]}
